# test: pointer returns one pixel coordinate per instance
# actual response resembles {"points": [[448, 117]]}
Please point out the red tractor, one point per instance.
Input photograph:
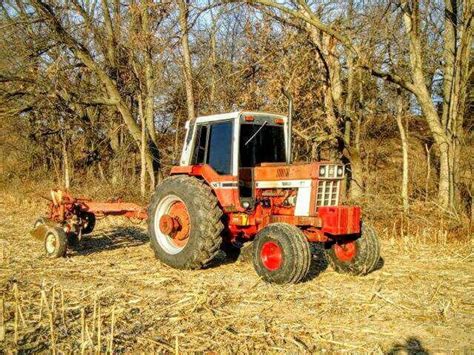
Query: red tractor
{"points": [[236, 183]]}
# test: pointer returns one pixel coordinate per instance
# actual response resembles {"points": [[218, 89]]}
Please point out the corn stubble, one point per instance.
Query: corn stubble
{"points": [[111, 295]]}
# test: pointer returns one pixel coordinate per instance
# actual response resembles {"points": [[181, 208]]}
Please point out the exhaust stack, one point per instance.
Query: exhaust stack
{"points": [[289, 124]]}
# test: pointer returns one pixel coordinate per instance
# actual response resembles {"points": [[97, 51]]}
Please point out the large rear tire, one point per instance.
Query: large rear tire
{"points": [[281, 254], [357, 257], [184, 223]]}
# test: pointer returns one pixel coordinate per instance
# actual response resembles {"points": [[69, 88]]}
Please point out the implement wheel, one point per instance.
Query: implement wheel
{"points": [[184, 223], [89, 225], [356, 257], [55, 242], [40, 221], [281, 254]]}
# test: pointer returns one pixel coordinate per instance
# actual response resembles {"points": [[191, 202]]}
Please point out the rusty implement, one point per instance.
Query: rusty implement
{"points": [[69, 218]]}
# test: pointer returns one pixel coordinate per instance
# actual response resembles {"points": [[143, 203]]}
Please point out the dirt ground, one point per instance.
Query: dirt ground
{"points": [[110, 293]]}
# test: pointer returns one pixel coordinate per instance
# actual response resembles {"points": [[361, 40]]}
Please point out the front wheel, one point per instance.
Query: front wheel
{"points": [[281, 254], [356, 257], [185, 223]]}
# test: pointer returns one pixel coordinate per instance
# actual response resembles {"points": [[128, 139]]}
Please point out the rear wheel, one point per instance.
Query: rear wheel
{"points": [[356, 257], [55, 242], [281, 254], [184, 223]]}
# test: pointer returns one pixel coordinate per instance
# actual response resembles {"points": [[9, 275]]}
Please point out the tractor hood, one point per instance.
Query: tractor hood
{"points": [[298, 171]]}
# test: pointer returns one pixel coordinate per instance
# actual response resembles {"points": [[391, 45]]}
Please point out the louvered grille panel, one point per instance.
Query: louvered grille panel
{"points": [[328, 193]]}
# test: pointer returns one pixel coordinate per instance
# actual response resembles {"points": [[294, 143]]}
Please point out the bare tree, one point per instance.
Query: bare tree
{"points": [[187, 66], [404, 140]]}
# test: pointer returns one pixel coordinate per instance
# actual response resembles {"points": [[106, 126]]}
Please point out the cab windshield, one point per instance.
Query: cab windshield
{"points": [[261, 143]]}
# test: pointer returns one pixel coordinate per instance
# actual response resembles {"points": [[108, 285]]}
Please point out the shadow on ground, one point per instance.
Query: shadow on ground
{"points": [[120, 237], [319, 262], [412, 346], [379, 264]]}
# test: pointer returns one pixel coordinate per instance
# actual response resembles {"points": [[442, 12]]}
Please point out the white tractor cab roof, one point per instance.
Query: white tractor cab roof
{"points": [[237, 117], [235, 114]]}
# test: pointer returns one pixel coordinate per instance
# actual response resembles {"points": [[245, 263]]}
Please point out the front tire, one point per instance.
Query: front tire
{"points": [[185, 223], [281, 254], [356, 257]]}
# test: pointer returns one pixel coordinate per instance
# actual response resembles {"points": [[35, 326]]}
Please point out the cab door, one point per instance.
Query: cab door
{"points": [[214, 141]]}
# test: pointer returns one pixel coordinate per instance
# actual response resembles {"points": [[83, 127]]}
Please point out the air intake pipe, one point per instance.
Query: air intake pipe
{"points": [[289, 124]]}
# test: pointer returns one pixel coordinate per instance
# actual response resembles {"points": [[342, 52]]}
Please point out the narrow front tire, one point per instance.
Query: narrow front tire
{"points": [[356, 257], [281, 254]]}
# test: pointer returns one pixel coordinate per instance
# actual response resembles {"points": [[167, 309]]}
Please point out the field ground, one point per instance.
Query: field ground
{"points": [[422, 298]]}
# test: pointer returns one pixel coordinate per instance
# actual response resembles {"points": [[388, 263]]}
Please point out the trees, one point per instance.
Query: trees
{"points": [[107, 59], [446, 128], [112, 79]]}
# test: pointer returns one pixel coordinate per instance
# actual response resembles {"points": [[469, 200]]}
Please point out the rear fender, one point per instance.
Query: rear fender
{"points": [[226, 187]]}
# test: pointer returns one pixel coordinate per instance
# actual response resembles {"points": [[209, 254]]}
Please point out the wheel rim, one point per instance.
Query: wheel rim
{"points": [[345, 251], [271, 256], [172, 224], [51, 243]]}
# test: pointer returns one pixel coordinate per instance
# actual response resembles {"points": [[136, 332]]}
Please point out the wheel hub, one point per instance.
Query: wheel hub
{"points": [[345, 251], [168, 224], [51, 243], [271, 255], [176, 224]]}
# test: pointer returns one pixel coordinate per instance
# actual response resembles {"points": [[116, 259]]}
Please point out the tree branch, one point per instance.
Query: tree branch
{"points": [[391, 77], [309, 17]]}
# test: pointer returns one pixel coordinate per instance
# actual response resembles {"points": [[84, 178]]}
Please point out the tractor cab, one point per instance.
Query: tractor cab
{"points": [[231, 141], [233, 144]]}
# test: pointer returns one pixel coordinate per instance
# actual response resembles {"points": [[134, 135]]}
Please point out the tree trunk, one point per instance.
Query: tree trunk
{"points": [[149, 78], [448, 55], [428, 170], [213, 61], [411, 21], [142, 149], [356, 183], [404, 139], [176, 141], [444, 182], [187, 67], [67, 182]]}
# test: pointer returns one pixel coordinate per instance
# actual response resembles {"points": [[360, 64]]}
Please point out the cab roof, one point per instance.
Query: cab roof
{"points": [[235, 114]]}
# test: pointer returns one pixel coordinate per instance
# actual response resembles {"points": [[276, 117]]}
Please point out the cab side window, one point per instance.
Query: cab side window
{"points": [[199, 156], [214, 146]]}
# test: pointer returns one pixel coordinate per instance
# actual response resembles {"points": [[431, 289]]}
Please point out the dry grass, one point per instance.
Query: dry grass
{"points": [[111, 294]]}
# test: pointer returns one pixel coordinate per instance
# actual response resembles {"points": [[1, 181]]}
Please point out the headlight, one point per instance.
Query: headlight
{"points": [[322, 171], [340, 171]]}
